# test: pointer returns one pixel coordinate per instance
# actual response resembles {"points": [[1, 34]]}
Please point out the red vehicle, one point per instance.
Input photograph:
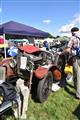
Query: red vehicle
{"points": [[36, 67]]}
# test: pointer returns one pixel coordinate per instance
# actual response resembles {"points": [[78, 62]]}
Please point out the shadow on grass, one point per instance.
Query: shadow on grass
{"points": [[70, 85], [34, 98], [34, 91], [77, 112], [69, 88], [69, 91]]}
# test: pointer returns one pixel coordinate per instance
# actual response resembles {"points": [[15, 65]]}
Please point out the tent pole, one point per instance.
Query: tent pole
{"points": [[4, 45]]}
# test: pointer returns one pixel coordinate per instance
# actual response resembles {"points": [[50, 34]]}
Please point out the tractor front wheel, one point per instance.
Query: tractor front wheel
{"points": [[44, 87]]}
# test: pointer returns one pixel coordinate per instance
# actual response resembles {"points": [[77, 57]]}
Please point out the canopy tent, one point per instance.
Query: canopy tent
{"points": [[16, 28]]}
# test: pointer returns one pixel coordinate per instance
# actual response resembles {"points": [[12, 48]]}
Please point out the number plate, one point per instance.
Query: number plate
{"points": [[23, 62]]}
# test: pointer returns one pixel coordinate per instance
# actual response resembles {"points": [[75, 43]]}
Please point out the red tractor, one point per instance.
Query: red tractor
{"points": [[36, 67]]}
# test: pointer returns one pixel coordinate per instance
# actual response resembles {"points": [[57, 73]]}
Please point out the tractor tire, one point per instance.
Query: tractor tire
{"points": [[60, 62], [44, 87]]}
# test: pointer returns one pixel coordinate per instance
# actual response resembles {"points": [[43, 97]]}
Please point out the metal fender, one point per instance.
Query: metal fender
{"points": [[9, 70], [57, 74], [41, 71]]}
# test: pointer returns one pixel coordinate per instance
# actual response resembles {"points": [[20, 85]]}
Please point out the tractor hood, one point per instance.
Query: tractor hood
{"points": [[29, 49]]}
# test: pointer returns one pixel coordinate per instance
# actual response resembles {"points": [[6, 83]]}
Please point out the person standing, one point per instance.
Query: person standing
{"points": [[73, 48], [46, 45]]}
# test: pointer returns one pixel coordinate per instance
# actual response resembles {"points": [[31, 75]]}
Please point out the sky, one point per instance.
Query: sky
{"points": [[54, 16]]}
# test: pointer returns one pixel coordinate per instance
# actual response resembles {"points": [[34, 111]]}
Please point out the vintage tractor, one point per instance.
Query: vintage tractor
{"points": [[36, 67]]}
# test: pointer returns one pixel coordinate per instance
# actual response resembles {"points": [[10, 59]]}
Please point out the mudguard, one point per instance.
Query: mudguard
{"points": [[9, 70], [41, 71]]}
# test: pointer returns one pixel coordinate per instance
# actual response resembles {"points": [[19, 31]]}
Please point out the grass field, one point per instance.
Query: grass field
{"points": [[61, 105]]}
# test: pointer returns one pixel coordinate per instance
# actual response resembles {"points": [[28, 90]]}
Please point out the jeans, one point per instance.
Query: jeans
{"points": [[76, 75]]}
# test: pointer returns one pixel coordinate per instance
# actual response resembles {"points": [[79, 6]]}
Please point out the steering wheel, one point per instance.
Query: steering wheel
{"points": [[47, 58], [44, 57]]}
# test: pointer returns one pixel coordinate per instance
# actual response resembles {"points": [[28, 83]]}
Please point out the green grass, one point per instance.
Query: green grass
{"points": [[61, 105]]}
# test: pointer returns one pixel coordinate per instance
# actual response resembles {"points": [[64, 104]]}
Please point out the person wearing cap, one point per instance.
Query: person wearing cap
{"points": [[73, 48]]}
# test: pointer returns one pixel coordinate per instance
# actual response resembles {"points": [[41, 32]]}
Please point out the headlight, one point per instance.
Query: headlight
{"points": [[12, 63]]}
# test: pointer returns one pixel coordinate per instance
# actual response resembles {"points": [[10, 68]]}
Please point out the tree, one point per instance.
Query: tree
{"points": [[50, 36]]}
